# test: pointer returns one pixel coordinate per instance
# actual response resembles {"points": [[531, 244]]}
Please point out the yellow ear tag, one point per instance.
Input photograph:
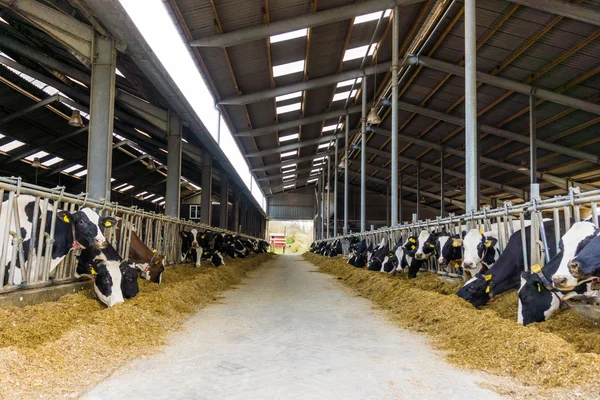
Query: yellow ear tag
{"points": [[412, 240], [455, 244], [487, 290], [66, 219], [536, 268], [203, 236], [412, 247], [539, 287], [432, 245], [481, 231], [155, 251], [93, 271], [488, 243], [107, 224], [488, 277]]}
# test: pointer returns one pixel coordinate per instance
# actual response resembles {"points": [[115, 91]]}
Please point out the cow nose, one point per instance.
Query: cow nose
{"points": [[467, 264], [559, 280], [441, 261], [100, 244], [419, 255]]}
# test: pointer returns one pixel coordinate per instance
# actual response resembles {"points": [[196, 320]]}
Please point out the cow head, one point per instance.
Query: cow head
{"points": [[102, 279], [477, 248], [587, 262], [129, 280], [536, 303], [476, 290], [217, 259], [156, 267], [449, 249], [573, 242], [410, 246], [425, 245], [88, 227]]}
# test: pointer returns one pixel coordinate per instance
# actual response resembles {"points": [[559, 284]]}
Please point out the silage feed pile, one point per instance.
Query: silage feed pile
{"points": [[562, 352], [56, 350]]}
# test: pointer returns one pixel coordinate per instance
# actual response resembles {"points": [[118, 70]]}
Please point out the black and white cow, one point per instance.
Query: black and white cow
{"points": [[426, 245], [406, 257], [382, 251], [505, 274], [587, 263], [190, 246], [539, 294], [358, 257], [391, 263], [480, 251], [449, 250]]}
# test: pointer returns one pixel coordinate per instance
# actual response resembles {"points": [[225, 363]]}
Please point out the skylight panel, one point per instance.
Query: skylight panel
{"points": [[151, 195], [10, 146], [287, 177], [157, 199], [73, 168], [289, 108], [126, 188], [4, 21], [111, 179], [312, 180], [318, 159], [162, 203], [289, 153], [76, 81], [315, 171], [332, 127], [289, 167], [288, 35], [52, 161], [141, 194], [122, 185], [358, 52], [39, 154], [142, 132], [349, 82], [324, 145], [163, 150], [289, 68], [81, 173], [344, 95], [289, 186], [318, 164], [288, 96], [361, 19], [119, 73], [288, 137]]}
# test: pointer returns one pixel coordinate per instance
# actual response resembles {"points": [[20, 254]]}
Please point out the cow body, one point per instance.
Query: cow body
{"points": [[539, 296], [505, 274]]}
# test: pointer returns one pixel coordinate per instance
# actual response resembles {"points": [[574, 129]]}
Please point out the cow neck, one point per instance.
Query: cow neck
{"points": [[76, 245]]}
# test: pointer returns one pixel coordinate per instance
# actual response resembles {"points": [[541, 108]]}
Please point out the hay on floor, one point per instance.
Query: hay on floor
{"points": [[562, 352], [58, 349]]}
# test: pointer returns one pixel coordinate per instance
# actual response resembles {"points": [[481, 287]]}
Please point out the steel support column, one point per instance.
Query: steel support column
{"points": [[318, 204], [236, 211], [173, 192], [532, 141], [442, 189], [394, 132], [347, 129], [206, 198], [102, 107], [363, 158], [400, 199], [471, 134], [419, 191], [328, 194], [224, 207], [335, 190]]}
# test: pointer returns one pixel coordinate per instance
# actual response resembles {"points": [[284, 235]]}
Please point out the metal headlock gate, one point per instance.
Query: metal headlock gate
{"points": [[504, 221], [157, 231]]}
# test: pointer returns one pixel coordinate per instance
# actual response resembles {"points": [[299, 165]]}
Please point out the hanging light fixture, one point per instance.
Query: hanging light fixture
{"points": [[151, 165], [523, 166], [373, 118], [75, 119]]}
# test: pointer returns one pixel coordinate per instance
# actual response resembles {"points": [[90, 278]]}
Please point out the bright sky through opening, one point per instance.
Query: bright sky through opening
{"points": [[153, 21]]}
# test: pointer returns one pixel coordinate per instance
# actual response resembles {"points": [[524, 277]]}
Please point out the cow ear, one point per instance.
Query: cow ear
{"points": [[64, 216], [108, 222]]}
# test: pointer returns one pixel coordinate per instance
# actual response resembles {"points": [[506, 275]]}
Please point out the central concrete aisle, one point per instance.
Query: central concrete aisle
{"points": [[292, 333]]}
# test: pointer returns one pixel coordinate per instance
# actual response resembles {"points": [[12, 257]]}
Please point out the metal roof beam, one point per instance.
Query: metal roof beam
{"points": [[292, 24], [500, 132], [302, 121], [294, 161], [280, 176], [307, 85], [295, 146], [569, 10], [562, 183], [301, 181], [509, 84]]}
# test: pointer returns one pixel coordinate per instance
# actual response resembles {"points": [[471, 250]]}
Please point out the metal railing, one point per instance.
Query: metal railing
{"points": [[157, 231], [503, 221]]}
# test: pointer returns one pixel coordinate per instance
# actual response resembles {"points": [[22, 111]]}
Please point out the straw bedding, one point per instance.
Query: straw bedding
{"points": [[58, 349], [562, 352]]}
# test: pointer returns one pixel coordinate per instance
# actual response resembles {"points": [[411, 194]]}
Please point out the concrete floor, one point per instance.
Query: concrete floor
{"points": [[291, 333]]}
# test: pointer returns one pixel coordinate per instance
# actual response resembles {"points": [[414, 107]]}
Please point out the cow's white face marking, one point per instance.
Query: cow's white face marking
{"points": [[442, 242], [470, 243], [385, 260], [194, 233], [95, 219], [578, 232], [423, 236], [520, 305]]}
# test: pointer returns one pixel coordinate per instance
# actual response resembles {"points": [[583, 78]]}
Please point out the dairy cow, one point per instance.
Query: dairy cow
{"points": [[505, 274], [480, 251], [449, 251], [587, 263], [358, 257], [541, 293], [382, 251]]}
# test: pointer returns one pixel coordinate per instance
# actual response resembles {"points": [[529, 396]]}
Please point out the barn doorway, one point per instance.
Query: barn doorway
{"points": [[298, 235]]}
